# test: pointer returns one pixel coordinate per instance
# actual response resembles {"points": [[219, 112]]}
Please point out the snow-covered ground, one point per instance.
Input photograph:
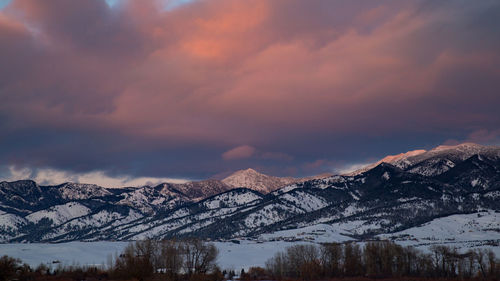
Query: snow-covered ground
{"points": [[319, 233], [71, 253], [478, 226], [231, 255], [472, 231], [248, 253]]}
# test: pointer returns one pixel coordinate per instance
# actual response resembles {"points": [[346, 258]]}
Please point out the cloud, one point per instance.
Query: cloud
{"points": [[485, 136], [240, 152], [246, 152], [54, 177], [141, 90]]}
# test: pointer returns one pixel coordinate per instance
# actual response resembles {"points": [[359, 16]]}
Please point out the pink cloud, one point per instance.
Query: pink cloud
{"points": [[240, 152], [223, 73], [485, 136], [236, 66], [481, 136]]}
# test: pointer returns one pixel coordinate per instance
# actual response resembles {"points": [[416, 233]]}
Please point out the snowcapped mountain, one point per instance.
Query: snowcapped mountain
{"points": [[435, 161], [391, 159], [262, 183], [252, 179], [198, 190], [415, 192], [442, 158], [81, 191]]}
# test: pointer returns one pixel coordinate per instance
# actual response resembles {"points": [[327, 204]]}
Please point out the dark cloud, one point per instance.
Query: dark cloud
{"points": [[290, 87]]}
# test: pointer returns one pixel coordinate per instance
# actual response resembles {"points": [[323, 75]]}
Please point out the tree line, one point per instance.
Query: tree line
{"points": [[189, 259], [381, 259], [194, 260]]}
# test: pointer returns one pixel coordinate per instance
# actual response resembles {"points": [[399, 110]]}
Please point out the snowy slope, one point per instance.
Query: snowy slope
{"points": [[148, 199], [481, 226], [60, 213], [9, 225], [319, 233], [94, 226], [231, 198], [198, 190], [401, 159], [74, 191]]}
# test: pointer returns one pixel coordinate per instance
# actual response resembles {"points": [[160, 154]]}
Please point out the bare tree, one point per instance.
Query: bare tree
{"points": [[353, 264], [381, 259], [277, 266], [8, 267], [299, 255], [136, 261], [199, 257], [331, 258], [171, 257], [492, 264], [481, 257]]}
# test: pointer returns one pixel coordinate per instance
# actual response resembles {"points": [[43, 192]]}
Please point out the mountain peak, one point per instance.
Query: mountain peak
{"points": [[390, 159], [252, 179], [393, 158], [248, 171]]}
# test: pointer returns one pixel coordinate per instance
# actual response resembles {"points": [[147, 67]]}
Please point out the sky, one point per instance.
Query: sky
{"points": [[121, 92]]}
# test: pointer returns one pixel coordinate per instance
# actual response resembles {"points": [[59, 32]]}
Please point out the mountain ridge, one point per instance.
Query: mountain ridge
{"points": [[382, 200], [457, 152]]}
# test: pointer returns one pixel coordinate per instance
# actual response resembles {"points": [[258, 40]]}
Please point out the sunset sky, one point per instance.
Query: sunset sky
{"points": [[125, 92]]}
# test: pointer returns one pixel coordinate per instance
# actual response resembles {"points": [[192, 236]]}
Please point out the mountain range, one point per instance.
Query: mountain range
{"points": [[393, 195]]}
